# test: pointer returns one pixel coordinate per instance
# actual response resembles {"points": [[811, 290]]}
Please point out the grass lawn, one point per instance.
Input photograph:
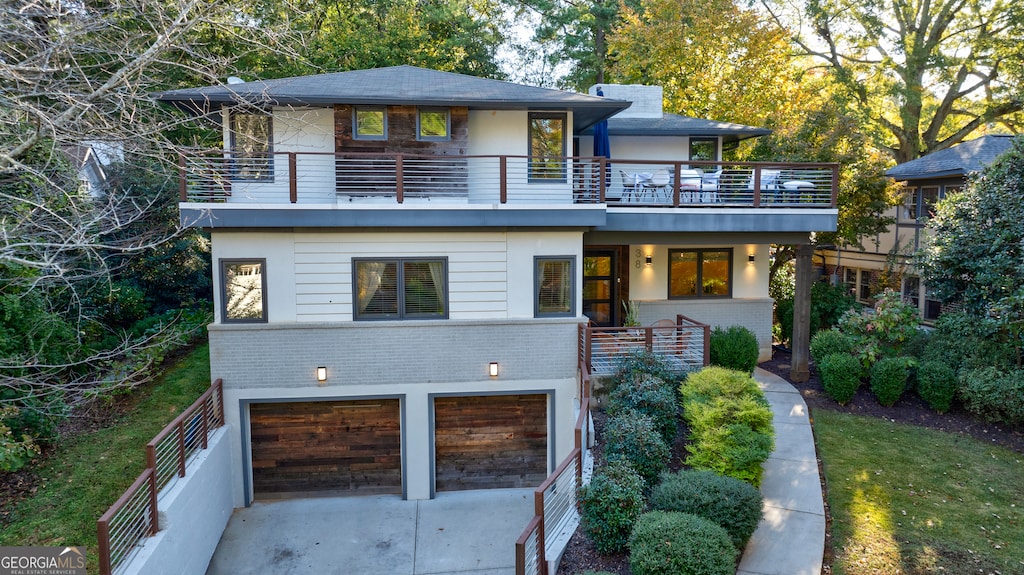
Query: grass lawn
{"points": [[911, 500], [86, 474]]}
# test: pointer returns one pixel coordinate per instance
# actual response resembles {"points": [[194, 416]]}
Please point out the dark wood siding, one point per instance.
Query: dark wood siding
{"points": [[401, 133], [326, 446], [487, 442]]}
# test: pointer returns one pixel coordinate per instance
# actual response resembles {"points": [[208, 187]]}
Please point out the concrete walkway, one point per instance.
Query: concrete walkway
{"points": [[377, 535], [790, 539]]}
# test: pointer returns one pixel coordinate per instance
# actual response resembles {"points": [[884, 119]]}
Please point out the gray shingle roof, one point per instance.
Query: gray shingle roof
{"points": [[397, 85], [676, 125], [958, 160]]}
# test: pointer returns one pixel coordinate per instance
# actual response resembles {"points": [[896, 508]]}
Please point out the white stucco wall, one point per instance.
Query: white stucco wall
{"points": [[651, 282], [193, 515]]}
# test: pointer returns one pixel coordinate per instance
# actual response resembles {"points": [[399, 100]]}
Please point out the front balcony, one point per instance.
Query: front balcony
{"points": [[683, 345], [348, 179]]}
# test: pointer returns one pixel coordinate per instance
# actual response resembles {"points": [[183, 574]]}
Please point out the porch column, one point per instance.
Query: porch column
{"points": [[801, 343]]}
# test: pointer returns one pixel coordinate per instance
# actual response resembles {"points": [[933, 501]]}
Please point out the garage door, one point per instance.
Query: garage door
{"points": [[344, 447], [487, 442]]}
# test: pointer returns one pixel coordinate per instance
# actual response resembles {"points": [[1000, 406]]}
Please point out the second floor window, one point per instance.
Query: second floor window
{"points": [[370, 124], [700, 273], [547, 147], [401, 288], [251, 147], [433, 124], [704, 149]]}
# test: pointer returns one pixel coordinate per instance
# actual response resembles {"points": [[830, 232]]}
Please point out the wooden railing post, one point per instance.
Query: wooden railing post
{"points": [[757, 186], [538, 510], [835, 185], [182, 182], [103, 543], [503, 179], [675, 184], [399, 180], [707, 345], [154, 511], [603, 161], [293, 186], [219, 391], [181, 448]]}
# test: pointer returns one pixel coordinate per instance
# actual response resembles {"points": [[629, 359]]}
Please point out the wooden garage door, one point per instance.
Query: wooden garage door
{"points": [[351, 447], [487, 442]]}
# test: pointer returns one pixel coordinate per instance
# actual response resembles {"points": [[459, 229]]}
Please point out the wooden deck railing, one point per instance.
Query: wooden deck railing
{"points": [[320, 177], [554, 501], [134, 515]]}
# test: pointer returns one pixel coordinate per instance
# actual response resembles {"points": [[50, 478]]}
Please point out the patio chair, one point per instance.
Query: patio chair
{"points": [[658, 184], [628, 186]]}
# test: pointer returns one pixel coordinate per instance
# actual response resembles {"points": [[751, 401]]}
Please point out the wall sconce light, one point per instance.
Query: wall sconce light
{"points": [[492, 369], [649, 260], [321, 374], [750, 259]]}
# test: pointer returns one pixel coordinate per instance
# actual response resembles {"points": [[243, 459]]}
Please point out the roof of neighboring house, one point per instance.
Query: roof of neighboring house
{"points": [[676, 125], [958, 160], [396, 85]]}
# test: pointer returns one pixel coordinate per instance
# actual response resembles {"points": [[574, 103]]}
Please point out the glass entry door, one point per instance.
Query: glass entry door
{"points": [[601, 286]]}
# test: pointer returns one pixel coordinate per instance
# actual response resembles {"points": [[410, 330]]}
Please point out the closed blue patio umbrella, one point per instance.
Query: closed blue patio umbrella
{"points": [[602, 146]]}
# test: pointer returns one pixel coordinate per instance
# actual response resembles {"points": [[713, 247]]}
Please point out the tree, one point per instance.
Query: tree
{"points": [[74, 74], [713, 60], [973, 252], [922, 74]]}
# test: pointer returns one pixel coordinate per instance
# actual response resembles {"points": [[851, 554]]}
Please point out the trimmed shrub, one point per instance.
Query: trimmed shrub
{"points": [[610, 506], [752, 411], [673, 543], [889, 379], [993, 394], [717, 382], [642, 362], [733, 504], [735, 450], [650, 395], [840, 376], [633, 436], [828, 342], [734, 348], [936, 384]]}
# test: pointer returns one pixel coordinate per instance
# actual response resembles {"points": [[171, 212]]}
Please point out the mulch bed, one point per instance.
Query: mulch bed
{"points": [[580, 555]]}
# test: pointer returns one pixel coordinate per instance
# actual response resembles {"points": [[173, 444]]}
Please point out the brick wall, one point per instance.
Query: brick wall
{"points": [[384, 353]]}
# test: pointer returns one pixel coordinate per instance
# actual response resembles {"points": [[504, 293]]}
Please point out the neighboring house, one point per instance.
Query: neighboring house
{"points": [[406, 261], [90, 167], [926, 180]]}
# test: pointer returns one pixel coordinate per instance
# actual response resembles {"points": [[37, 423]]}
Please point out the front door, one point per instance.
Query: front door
{"points": [[601, 286]]}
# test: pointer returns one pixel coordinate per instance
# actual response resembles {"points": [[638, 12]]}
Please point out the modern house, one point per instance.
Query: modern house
{"points": [[926, 180], [414, 267]]}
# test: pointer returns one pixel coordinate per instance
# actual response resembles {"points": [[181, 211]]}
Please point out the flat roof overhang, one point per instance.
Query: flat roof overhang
{"points": [[742, 220], [391, 216]]}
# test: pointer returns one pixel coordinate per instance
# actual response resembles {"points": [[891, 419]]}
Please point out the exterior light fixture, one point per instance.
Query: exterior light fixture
{"points": [[492, 369], [649, 260], [321, 374], [750, 259]]}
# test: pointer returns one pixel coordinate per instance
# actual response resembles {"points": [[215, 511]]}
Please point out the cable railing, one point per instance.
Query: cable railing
{"points": [[352, 178], [683, 346], [554, 501], [135, 516]]}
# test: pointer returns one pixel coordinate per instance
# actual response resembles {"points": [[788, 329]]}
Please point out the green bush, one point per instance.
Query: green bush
{"points": [[734, 450], [673, 543], [643, 362], [830, 341], [633, 436], [610, 506], [717, 382], [752, 411], [840, 376], [734, 348], [881, 332], [936, 384], [828, 304], [994, 394], [647, 394], [733, 504], [889, 379]]}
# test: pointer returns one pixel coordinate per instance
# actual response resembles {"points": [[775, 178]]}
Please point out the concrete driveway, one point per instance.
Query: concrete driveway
{"points": [[466, 532]]}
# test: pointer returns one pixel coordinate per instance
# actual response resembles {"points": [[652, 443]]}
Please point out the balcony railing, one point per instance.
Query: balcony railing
{"points": [[683, 346], [309, 177]]}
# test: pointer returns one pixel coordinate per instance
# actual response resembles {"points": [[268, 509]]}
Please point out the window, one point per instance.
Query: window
{"points": [[547, 147], [251, 151], [704, 149], [401, 288], [553, 281], [864, 292], [243, 291], [433, 124], [700, 273], [912, 290], [370, 124]]}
